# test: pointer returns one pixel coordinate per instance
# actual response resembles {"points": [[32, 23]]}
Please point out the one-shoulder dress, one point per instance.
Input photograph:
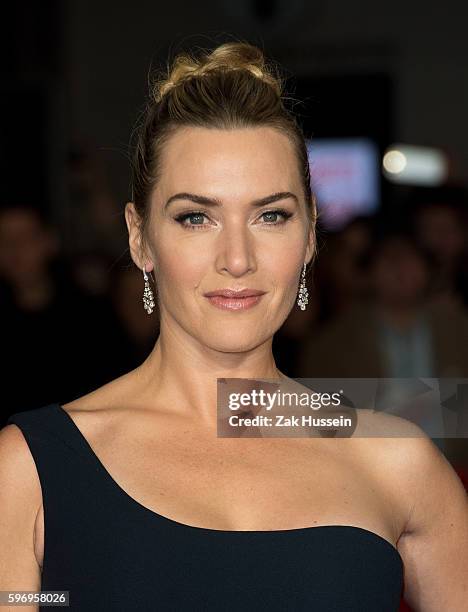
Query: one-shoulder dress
{"points": [[113, 554]]}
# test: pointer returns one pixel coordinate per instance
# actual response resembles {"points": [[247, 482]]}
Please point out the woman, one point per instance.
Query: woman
{"points": [[136, 503]]}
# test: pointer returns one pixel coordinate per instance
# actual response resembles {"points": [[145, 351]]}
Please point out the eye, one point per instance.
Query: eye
{"points": [[199, 215], [274, 213]]}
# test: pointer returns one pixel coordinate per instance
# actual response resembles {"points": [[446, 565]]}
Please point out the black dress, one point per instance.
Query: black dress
{"points": [[113, 554]]}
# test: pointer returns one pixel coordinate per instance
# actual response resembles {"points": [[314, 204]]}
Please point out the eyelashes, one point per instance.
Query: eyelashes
{"points": [[198, 213]]}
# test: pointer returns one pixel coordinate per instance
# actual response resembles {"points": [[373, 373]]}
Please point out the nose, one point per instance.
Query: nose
{"points": [[236, 249]]}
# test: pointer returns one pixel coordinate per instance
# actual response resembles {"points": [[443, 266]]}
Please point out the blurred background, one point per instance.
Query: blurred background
{"points": [[384, 96]]}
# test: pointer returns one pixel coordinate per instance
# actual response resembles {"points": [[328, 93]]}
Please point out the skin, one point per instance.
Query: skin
{"points": [[235, 248], [154, 429]]}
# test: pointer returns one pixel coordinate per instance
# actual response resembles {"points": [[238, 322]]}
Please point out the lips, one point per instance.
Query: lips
{"points": [[233, 293], [232, 299]]}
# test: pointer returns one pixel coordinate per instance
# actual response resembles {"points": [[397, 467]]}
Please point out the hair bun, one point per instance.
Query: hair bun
{"points": [[225, 58]]}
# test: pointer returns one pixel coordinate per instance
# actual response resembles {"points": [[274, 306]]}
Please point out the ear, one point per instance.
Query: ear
{"points": [[137, 250]]}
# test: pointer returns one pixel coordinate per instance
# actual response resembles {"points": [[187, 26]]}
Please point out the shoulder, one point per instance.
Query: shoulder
{"points": [[20, 503], [434, 543], [383, 425], [17, 467], [387, 448], [410, 458]]}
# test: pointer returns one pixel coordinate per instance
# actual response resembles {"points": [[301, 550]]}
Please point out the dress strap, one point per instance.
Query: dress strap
{"points": [[65, 466]]}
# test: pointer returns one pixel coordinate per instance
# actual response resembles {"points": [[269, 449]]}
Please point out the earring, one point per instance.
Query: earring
{"points": [[148, 299], [303, 297]]}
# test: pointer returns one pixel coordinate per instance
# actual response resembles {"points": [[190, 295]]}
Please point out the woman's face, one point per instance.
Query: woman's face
{"points": [[230, 243]]}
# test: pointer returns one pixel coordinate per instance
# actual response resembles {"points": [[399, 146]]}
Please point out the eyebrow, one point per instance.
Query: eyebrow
{"points": [[199, 199]]}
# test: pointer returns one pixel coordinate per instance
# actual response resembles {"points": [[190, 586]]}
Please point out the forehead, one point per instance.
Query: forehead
{"points": [[221, 160]]}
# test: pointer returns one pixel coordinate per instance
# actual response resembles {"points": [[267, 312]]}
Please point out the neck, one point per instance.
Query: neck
{"points": [[179, 376]]}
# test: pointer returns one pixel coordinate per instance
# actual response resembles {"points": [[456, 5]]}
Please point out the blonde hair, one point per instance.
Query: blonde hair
{"points": [[226, 57], [232, 86]]}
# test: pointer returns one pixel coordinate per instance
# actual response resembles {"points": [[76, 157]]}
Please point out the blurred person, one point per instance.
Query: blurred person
{"points": [[91, 272], [92, 223], [340, 280], [357, 234], [151, 507], [48, 325], [28, 244], [440, 221], [395, 331]]}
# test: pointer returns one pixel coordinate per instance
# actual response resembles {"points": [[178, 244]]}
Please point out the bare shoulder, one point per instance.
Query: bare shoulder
{"points": [[17, 467], [379, 424], [410, 460], [20, 502], [434, 544], [388, 446]]}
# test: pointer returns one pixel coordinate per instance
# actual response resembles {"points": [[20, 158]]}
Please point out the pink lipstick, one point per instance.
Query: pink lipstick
{"points": [[232, 299]]}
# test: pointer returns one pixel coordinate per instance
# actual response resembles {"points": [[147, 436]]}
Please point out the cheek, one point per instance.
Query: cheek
{"points": [[283, 268], [285, 252], [181, 266], [184, 264]]}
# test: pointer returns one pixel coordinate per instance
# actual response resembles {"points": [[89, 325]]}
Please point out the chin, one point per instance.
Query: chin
{"points": [[232, 342]]}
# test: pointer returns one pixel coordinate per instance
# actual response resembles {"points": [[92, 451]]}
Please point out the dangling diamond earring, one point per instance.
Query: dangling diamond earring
{"points": [[148, 299], [303, 297]]}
